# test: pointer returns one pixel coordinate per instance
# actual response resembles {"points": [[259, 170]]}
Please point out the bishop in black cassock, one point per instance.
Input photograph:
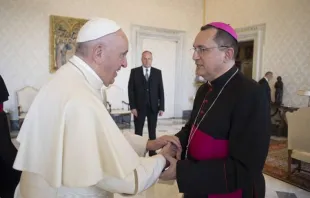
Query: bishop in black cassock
{"points": [[225, 142]]}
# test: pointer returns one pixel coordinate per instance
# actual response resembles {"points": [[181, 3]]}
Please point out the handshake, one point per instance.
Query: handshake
{"points": [[171, 149]]}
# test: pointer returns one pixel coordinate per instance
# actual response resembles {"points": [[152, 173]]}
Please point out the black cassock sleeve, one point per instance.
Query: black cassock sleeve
{"points": [[183, 136], [185, 131], [248, 147]]}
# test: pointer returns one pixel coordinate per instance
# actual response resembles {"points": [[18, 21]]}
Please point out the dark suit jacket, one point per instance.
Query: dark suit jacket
{"points": [[266, 87], [137, 86]]}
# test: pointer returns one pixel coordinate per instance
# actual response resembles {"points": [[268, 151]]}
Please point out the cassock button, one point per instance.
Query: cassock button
{"points": [[205, 101], [202, 112]]}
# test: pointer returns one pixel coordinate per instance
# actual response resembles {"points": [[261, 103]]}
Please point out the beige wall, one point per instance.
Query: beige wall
{"points": [[286, 49], [24, 30]]}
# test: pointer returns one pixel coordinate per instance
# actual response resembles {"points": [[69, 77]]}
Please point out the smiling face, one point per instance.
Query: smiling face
{"points": [[110, 56]]}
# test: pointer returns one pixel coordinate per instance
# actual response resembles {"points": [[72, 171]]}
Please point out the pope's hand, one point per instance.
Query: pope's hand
{"points": [[171, 172], [162, 141]]}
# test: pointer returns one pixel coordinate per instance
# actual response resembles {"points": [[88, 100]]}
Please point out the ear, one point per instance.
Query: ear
{"points": [[229, 54], [98, 53]]}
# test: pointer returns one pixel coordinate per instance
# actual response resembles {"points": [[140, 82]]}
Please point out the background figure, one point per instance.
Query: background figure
{"points": [[146, 96], [279, 91], [9, 177], [264, 82]]}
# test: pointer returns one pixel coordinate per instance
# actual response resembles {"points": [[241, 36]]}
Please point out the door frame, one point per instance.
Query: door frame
{"points": [[138, 33], [254, 33]]}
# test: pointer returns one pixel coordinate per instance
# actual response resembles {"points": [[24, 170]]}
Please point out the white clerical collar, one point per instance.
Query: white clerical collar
{"points": [[88, 72], [266, 79]]}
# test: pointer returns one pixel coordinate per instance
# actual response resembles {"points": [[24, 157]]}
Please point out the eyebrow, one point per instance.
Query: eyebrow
{"points": [[200, 46]]}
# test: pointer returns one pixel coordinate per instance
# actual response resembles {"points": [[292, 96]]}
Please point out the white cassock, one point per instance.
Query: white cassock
{"points": [[71, 147]]}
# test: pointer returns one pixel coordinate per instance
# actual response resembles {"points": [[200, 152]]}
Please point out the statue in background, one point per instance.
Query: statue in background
{"points": [[279, 91]]}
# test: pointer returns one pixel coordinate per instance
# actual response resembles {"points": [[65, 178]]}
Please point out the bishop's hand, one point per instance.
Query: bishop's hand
{"points": [[170, 151]]}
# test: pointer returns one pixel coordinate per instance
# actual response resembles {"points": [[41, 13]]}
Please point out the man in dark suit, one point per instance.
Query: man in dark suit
{"points": [[146, 96], [264, 82]]}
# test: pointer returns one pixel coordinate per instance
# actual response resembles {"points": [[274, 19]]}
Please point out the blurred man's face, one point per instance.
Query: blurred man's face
{"points": [[147, 59], [269, 77]]}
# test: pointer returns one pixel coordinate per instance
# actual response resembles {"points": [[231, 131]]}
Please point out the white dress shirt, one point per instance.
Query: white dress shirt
{"points": [[144, 70]]}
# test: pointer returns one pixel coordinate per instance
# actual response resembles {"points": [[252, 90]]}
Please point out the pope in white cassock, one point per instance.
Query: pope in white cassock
{"points": [[69, 144]]}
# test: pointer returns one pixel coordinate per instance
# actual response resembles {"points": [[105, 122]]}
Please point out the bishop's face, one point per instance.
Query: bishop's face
{"points": [[208, 57]]}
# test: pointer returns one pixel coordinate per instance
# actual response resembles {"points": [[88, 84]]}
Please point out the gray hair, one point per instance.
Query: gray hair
{"points": [[82, 49]]}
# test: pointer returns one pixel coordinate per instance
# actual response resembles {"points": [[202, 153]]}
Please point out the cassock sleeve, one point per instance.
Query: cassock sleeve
{"points": [[145, 175], [248, 148], [137, 142], [183, 134]]}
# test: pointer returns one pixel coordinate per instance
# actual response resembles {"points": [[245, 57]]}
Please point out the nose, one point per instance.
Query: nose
{"points": [[195, 55], [124, 63]]}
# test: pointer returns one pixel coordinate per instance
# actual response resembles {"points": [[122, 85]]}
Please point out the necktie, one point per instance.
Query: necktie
{"points": [[146, 74]]}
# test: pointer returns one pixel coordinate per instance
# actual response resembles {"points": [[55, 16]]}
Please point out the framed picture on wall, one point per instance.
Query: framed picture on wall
{"points": [[63, 33]]}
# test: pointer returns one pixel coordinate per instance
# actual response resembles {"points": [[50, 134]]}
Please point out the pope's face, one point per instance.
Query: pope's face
{"points": [[113, 56], [117, 56]]}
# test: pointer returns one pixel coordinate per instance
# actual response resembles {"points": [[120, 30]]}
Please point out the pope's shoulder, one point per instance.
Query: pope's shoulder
{"points": [[69, 85]]}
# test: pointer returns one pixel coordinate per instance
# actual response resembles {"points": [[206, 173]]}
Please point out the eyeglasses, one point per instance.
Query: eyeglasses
{"points": [[201, 50]]}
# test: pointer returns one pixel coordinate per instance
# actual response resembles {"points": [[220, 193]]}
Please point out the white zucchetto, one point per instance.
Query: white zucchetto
{"points": [[96, 28]]}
